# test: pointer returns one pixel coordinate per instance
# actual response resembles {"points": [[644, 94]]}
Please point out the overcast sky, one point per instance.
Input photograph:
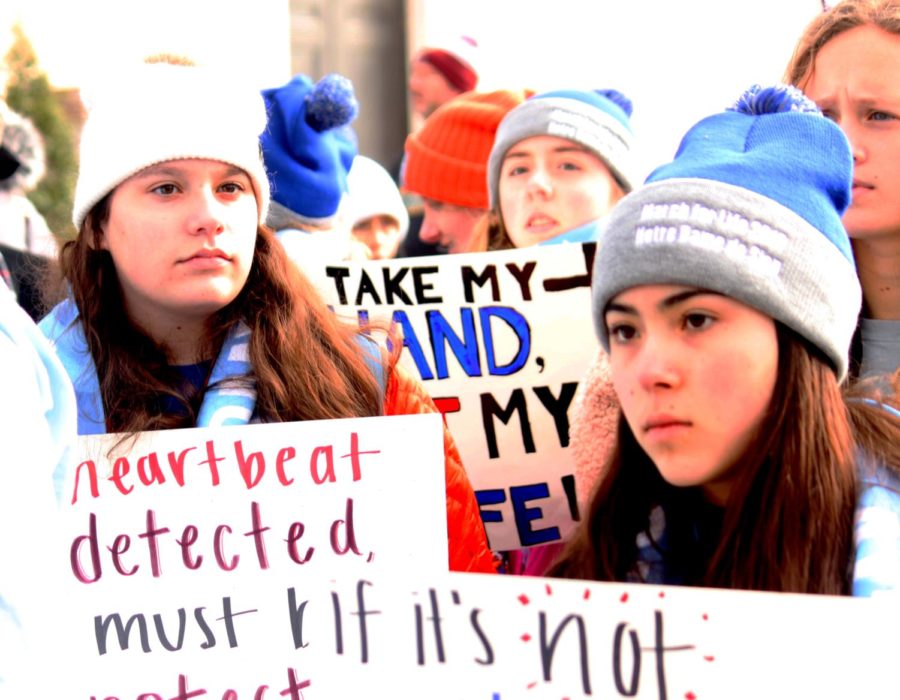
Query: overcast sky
{"points": [[678, 61]]}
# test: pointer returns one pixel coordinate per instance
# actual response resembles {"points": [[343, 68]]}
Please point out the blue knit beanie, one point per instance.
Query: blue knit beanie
{"points": [[599, 120], [750, 207], [308, 146]]}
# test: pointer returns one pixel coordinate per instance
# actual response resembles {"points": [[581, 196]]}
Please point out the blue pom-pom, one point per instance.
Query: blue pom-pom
{"points": [[617, 98], [331, 103], [773, 99]]}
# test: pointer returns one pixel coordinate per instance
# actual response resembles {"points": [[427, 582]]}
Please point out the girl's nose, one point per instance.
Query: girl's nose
{"points": [[659, 366], [207, 215], [539, 183]]}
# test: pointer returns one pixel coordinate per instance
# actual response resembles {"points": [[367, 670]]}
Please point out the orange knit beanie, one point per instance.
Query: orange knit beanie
{"points": [[447, 158]]}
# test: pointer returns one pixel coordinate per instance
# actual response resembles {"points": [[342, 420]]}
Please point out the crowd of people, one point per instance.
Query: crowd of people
{"points": [[741, 423]]}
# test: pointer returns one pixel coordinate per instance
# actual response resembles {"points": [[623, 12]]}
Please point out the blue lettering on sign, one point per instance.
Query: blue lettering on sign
{"points": [[520, 497], [517, 322], [490, 497], [445, 342], [411, 343], [465, 351]]}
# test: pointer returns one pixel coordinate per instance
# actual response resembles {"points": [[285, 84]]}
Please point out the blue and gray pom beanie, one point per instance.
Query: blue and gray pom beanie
{"points": [[308, 146], [599, 120], [750, 207]]}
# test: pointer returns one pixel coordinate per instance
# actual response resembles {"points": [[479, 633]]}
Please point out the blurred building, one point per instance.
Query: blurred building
{"points": [[365, 40]]}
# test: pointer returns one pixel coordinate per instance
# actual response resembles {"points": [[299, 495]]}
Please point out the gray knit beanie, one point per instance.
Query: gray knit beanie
{"points": [[599, 120], [751, 208]]}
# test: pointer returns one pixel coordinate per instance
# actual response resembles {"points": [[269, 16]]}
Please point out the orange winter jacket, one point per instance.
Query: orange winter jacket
{"points": [[465, 531]]}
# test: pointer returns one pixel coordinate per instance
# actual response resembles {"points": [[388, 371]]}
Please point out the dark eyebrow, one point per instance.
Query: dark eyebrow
{"points": [[157, 170], [665, 304], [234, 170], [677, 299], [557, 149]]}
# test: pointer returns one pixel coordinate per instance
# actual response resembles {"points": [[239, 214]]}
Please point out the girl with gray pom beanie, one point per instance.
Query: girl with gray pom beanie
{"points": [[559, 162], [726, 296]]}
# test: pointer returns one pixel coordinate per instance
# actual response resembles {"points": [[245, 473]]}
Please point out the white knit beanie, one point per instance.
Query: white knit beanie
{"points": [[372, 192], [154, 112]]}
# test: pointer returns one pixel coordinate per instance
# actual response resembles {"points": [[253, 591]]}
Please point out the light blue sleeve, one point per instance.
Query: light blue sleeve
{"points": [[37, 412], [877, 535]]}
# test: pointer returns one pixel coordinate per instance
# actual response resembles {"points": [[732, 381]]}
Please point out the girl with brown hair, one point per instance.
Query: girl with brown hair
{"points": [[183, 309], [726, 296], [848, 62], [559, 162]]}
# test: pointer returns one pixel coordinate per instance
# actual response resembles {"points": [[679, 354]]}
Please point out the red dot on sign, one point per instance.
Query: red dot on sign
{"points": [[705, 616], [690, 696], [662, 594], [587, 593], [549, 590], [525, 637], [531, 685], [624, 598], [523, 599], [709, 658]]}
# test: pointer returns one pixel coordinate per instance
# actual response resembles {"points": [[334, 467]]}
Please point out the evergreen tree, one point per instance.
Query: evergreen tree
{"points": [[28, 92]]}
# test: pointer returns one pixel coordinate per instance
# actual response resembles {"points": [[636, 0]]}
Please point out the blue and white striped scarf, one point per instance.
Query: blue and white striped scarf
{"points": [[222, 404]]}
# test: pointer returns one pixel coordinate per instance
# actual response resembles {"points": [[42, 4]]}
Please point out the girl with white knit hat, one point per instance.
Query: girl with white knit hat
{"points": [[375, 210], [182, 308]]}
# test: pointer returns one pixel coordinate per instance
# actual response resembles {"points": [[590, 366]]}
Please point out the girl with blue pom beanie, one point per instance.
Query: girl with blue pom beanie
{"points": [[182, 309], [308, 147], [559, 162], [726, 296]]}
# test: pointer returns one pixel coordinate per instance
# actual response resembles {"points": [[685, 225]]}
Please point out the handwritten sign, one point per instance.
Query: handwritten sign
{"points": [[170, 539], [473, 636], [500, 341]]}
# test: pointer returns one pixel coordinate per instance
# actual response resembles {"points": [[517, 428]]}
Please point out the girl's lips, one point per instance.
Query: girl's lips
{"points": [[666, 431], [206, 259], [540, 222], [206, 262], [659, 427]]}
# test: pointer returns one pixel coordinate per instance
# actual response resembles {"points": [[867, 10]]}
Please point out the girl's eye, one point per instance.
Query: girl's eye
{"points": [[517, 170], [569, 166], [698, 321], [232, 187], [621, 333], [165, 189], [880, 116]]}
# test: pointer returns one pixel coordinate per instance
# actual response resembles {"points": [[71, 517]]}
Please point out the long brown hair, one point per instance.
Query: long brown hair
{"points": [[840, 18], [495, 231], [788, 522], [846, 15], [307, 363]]}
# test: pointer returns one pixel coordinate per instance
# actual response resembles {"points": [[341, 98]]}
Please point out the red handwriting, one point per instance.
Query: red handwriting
{"points": [[206, 464], [87, 563]]}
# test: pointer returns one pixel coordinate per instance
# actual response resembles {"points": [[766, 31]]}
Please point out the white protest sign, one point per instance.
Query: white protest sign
{"points": [[481, 637], [500, 340], [182, 541]]}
